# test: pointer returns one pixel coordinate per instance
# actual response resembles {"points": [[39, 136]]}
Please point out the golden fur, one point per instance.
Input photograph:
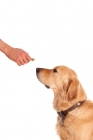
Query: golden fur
{"points": [[67, 89]]}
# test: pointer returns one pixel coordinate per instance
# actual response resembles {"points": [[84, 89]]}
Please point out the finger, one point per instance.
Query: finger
{"points": [[25, 60], [21, 60], [28, 57], [18, 63]]}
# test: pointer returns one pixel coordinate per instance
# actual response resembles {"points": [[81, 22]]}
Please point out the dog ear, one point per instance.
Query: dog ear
{"points": [[70, 86]]}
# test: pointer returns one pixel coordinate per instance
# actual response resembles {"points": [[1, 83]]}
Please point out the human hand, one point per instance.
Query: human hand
{"points": [[19, 56], [15, 54]]}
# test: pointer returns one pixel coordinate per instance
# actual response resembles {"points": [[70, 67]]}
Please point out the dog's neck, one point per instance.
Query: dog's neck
{"points": [[64, 113]]}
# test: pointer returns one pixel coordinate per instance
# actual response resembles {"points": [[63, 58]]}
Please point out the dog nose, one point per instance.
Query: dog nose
{"points": [[37, 70]]}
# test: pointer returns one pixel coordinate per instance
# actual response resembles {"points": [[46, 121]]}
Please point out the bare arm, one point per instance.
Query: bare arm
{"points": [[15, 54], [5, 48]]}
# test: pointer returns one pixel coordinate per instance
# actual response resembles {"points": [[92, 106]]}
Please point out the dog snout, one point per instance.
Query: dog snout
{"points": [[37, 70]]}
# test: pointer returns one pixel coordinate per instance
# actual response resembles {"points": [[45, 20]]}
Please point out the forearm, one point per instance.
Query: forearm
{"points": [[5, 48]]}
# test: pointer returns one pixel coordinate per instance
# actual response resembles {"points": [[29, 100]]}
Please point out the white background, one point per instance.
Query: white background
{"points": [[54, 32]]}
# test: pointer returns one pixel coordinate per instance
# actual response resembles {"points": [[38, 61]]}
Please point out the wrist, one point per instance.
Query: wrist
{"points": [[5, 48]]}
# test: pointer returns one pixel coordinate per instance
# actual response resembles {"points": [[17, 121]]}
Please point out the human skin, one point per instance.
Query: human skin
{"points": [[17, 55]]}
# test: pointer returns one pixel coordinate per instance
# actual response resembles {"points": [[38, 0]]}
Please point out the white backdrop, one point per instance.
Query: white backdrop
{"points": [[54, 32]]}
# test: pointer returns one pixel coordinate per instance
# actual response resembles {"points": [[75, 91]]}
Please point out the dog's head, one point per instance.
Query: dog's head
{"points": [[65, 85]]}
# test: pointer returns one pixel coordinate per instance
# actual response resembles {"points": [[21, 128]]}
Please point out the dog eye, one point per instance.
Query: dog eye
{"points": [[54, 70]]}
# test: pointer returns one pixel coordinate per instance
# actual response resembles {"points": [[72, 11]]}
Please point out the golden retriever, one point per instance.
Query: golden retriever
{"points": [[75, 112]]}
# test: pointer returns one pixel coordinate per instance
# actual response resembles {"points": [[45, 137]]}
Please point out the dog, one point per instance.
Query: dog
{"points": [[75, 111]]}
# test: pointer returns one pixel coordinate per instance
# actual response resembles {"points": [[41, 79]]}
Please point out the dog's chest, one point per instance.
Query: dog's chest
{"points": [[69, 124], [73, 128]]}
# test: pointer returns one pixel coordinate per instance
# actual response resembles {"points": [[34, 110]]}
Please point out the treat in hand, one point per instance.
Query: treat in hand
{"points": [[32, 59]]}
